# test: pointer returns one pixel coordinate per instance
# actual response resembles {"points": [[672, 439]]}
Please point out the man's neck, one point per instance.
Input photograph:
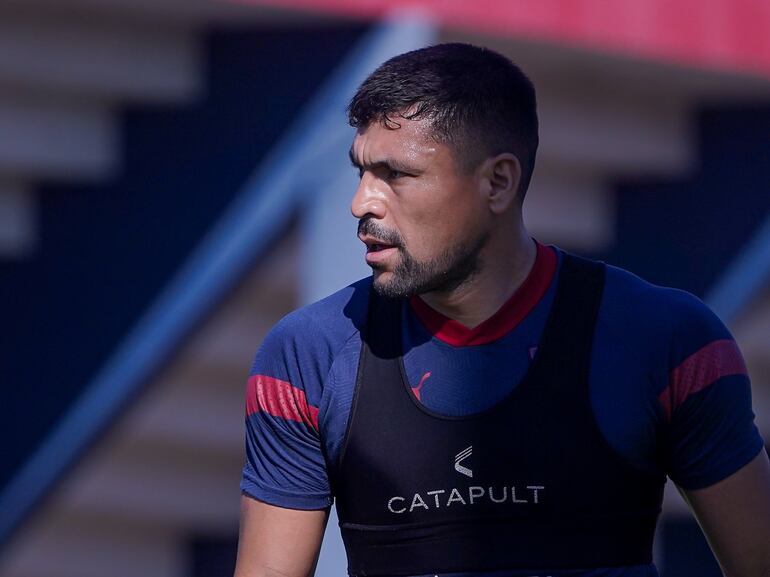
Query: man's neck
{"points": [[482, 296]]}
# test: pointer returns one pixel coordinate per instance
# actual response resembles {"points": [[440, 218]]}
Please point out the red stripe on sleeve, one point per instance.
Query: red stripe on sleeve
{"points": [[704, 367], [279, 399]]}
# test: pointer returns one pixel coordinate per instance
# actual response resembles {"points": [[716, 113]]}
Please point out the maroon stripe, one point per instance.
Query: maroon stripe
{"points": [[701, 369], [279, 399]]}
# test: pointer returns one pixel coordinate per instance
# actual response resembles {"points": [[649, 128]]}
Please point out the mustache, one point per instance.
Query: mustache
{"points": [[370, 227]]}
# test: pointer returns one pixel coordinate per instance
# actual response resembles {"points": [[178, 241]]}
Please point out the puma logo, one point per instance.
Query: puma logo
{"points": [[416, 390]]}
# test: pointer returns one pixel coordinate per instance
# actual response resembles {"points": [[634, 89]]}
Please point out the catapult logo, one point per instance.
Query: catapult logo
{"points": [[462, 456], [429, 498]]}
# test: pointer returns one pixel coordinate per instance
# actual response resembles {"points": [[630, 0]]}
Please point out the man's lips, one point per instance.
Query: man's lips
{"points": [[380, 254], [374, 244], [377, 247], [377, 250]]}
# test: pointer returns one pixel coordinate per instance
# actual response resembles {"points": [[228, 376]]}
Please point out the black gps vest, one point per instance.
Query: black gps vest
{"points": [[527, 484]]}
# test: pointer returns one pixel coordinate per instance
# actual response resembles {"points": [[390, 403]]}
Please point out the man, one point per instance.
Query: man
{"points": [[493, 406]]}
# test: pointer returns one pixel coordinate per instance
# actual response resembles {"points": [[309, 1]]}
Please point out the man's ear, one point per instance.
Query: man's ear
{"points": [[502, 176]]}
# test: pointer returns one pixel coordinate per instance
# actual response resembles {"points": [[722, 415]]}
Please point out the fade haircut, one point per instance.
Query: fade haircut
{"points": [[478, 102]]}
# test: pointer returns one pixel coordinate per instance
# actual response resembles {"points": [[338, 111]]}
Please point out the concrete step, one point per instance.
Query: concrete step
{"points": [[50, 137], [613, 131], [171, 465], [184, 413], [63, 545], [98, 57], [199, 400], [18, 220], [571, 208], [175, 457], [226, 344], [186, 489]]}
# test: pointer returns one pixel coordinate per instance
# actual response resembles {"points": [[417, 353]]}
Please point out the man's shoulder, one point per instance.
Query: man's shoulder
{"points": [[671, 317], [672, 305], [339, 314]]}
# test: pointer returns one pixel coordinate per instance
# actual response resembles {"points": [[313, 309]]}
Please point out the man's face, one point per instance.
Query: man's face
{"points": [[423, 219]]}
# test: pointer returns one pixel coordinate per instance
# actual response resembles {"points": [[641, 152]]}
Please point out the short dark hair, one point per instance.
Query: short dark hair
{"points": [[478, 101]]}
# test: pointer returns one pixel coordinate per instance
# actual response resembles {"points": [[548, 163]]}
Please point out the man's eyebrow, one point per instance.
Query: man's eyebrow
{"points": [[389, 163]]}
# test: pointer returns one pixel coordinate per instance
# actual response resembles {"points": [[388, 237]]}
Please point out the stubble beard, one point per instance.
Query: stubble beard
{"points": [[451, 269]]}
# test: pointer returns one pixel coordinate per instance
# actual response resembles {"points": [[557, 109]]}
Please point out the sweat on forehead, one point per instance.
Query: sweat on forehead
{"points": [[405, 148]]}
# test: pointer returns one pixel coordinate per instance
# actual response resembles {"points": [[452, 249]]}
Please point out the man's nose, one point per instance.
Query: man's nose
{"points": [[368, 200]]}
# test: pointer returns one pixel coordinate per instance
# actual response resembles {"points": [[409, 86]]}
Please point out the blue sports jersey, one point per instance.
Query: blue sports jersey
{"points": [[668, 387]]}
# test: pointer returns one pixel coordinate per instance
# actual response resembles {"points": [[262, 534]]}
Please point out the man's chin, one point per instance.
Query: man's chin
{"points": [[386, 284], [381, 278]]}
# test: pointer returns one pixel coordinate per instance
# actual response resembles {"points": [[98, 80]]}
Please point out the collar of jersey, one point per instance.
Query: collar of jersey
{"points": [[513, 311]]}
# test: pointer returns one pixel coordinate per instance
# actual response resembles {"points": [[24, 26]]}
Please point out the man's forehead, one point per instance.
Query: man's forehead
{"points": [[407, 137]]}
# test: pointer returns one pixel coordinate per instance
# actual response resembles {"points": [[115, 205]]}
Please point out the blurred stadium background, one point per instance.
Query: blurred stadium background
{"points": [[174, 178]]}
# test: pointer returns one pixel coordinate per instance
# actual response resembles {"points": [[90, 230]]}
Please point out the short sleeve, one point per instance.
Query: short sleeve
{"points": [[284, 463], [710, 431]]}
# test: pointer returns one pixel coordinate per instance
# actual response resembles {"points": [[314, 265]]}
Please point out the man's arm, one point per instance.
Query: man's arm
{"points": [[278, 542], [735, 516]]}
